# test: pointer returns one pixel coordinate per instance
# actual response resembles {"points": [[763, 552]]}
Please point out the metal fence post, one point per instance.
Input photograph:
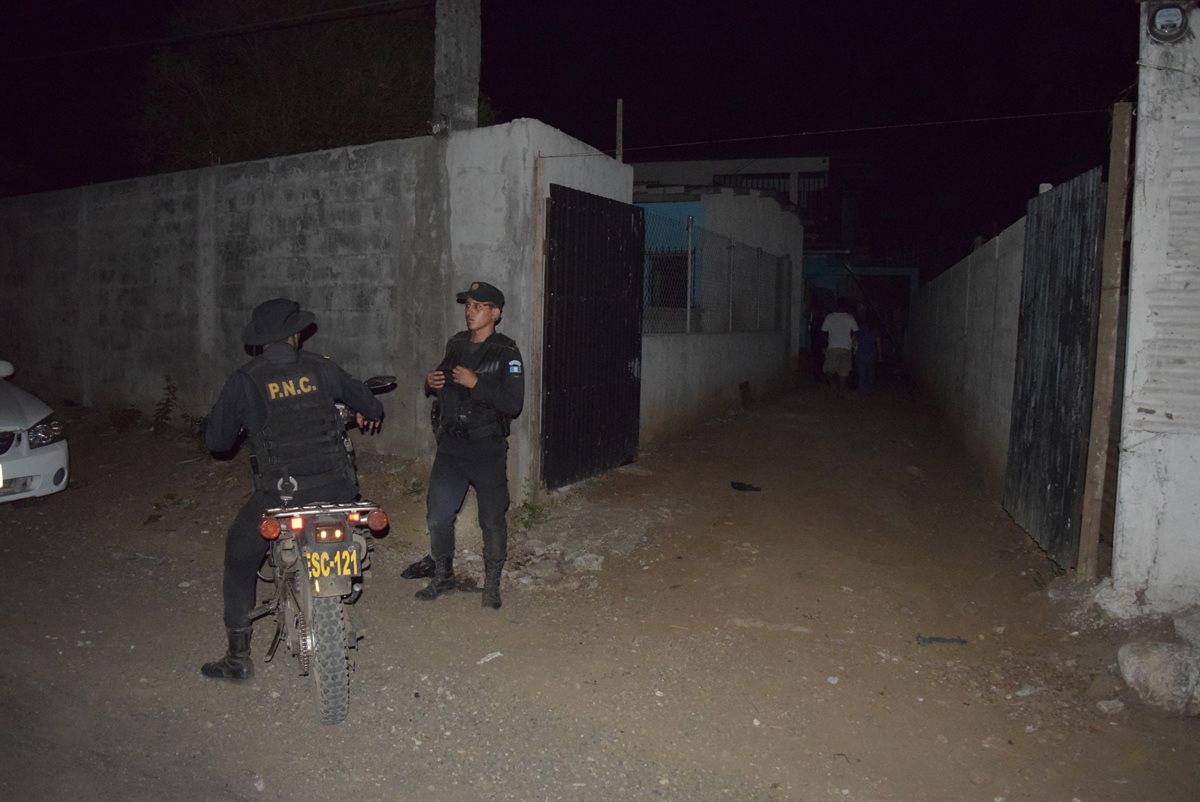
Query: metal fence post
{"points": [[690, 263]]}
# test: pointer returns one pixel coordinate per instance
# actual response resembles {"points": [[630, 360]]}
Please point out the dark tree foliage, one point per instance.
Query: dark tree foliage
{"points": [[276, 77]]}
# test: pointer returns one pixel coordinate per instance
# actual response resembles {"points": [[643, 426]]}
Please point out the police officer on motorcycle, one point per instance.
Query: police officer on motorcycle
{"points": [[480, 387], [284, 399]]}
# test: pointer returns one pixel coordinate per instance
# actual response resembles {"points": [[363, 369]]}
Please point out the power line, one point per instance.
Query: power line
{"points": [[827, 131], [331, 15]]}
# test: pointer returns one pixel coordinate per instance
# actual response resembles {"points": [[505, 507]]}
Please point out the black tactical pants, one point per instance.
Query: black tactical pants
{"points": [[483, 466], [245, 547]]}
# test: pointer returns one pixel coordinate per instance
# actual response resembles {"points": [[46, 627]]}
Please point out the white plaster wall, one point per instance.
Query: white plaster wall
{"points": [[689, 378], [755, 219], [1156, 559], [499, 179], [963, 348]]}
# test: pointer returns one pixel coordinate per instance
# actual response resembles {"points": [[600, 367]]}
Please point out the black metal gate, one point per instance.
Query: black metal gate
{"points": [[1056, 356], [591, 385]]}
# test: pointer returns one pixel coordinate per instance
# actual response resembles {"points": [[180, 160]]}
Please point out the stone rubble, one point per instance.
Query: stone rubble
{"points": [[1164, 675]]}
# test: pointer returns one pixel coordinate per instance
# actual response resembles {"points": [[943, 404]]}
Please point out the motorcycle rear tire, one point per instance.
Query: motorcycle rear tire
{"points": [[330, 665]]}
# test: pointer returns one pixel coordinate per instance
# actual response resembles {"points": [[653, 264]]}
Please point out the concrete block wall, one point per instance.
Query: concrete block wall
{"points": [[162, 272], [963, 348], [42, 292]]}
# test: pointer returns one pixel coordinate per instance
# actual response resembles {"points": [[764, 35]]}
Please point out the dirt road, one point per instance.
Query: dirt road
{"points": [[868, 626]]}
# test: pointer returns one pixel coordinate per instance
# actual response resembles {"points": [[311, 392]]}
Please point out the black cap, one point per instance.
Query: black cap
{"points": [[275, 320], [483, 292]]}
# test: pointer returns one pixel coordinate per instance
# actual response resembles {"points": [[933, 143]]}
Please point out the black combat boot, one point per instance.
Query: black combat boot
{"points": [[442, 582], [491, 583], [236, 664]]}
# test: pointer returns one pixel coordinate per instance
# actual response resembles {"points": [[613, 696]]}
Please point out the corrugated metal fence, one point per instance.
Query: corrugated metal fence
{"points": [[1056, 353]]}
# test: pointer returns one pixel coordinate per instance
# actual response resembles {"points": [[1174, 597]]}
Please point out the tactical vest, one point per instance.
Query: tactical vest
{"points": [[302, 435], [455, 414]]}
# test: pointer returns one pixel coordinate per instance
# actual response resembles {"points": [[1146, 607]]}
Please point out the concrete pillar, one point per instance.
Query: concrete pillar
{"points": [[456, 66], [1156, 558]]}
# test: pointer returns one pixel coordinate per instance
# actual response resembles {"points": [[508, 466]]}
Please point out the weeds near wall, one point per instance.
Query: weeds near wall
{"points": [[528, 515], [164, 410]]}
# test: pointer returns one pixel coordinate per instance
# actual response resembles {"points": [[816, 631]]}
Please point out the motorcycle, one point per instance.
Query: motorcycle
{"points": [[315, 564]]}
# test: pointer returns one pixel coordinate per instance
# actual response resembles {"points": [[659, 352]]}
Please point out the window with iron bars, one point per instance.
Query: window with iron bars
{"points": [[725, 285]]}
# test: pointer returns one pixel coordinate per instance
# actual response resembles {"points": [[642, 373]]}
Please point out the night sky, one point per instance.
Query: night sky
{"points": [[774, 74], [742, 80]]}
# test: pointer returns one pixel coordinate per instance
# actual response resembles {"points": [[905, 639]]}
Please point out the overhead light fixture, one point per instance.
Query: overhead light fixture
{"points": [[1168, 22]]}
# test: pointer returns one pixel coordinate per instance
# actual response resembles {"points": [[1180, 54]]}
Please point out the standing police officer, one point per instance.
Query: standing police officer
{"points": [[284, 400], [480, 387]]}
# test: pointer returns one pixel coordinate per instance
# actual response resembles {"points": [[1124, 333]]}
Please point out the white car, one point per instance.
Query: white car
{"points": [[33, 444]]}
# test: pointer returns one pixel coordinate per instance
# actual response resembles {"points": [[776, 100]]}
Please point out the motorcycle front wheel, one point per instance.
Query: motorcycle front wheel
{"points": [[330, 665]]}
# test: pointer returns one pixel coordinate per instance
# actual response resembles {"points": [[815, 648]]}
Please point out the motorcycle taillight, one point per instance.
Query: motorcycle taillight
{"points": [[377, 520]]}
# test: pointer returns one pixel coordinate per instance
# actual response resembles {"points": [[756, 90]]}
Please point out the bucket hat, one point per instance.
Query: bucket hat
{"points": [[275, 320]]}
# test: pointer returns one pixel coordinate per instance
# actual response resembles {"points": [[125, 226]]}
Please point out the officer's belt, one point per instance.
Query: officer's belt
{"points": [[472, 432]]}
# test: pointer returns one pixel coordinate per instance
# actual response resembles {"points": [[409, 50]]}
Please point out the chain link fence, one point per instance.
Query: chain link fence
{"points": [[698, 281]]}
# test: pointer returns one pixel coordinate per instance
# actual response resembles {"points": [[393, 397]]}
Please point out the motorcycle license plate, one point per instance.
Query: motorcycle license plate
{"points": [[332, 567], [332, 561]]}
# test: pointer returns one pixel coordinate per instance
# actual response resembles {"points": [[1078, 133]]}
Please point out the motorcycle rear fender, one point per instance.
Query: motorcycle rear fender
{"points": [[285, 553]]}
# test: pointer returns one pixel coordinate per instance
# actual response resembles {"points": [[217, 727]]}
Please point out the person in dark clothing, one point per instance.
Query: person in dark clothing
{"points": [[868, 355], [816, 343], [284, 401], [480, 387]]}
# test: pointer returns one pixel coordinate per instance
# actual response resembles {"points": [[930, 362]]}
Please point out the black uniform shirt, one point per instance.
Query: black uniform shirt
{"points": [[240, 406], [503, 390]]}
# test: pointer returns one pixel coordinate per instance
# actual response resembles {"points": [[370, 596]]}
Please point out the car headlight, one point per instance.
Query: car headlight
{"points": [[46, 431]]}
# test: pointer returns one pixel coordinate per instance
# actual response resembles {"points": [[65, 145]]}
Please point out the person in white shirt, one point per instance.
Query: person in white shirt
{"points": [[840, 329]]}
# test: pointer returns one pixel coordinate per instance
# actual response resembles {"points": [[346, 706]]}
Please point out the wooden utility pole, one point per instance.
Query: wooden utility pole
{"points": [[1106, 342]]}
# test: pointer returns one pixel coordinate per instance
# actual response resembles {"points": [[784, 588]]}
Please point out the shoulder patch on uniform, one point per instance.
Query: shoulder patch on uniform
{"points": [[514, 366]]}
